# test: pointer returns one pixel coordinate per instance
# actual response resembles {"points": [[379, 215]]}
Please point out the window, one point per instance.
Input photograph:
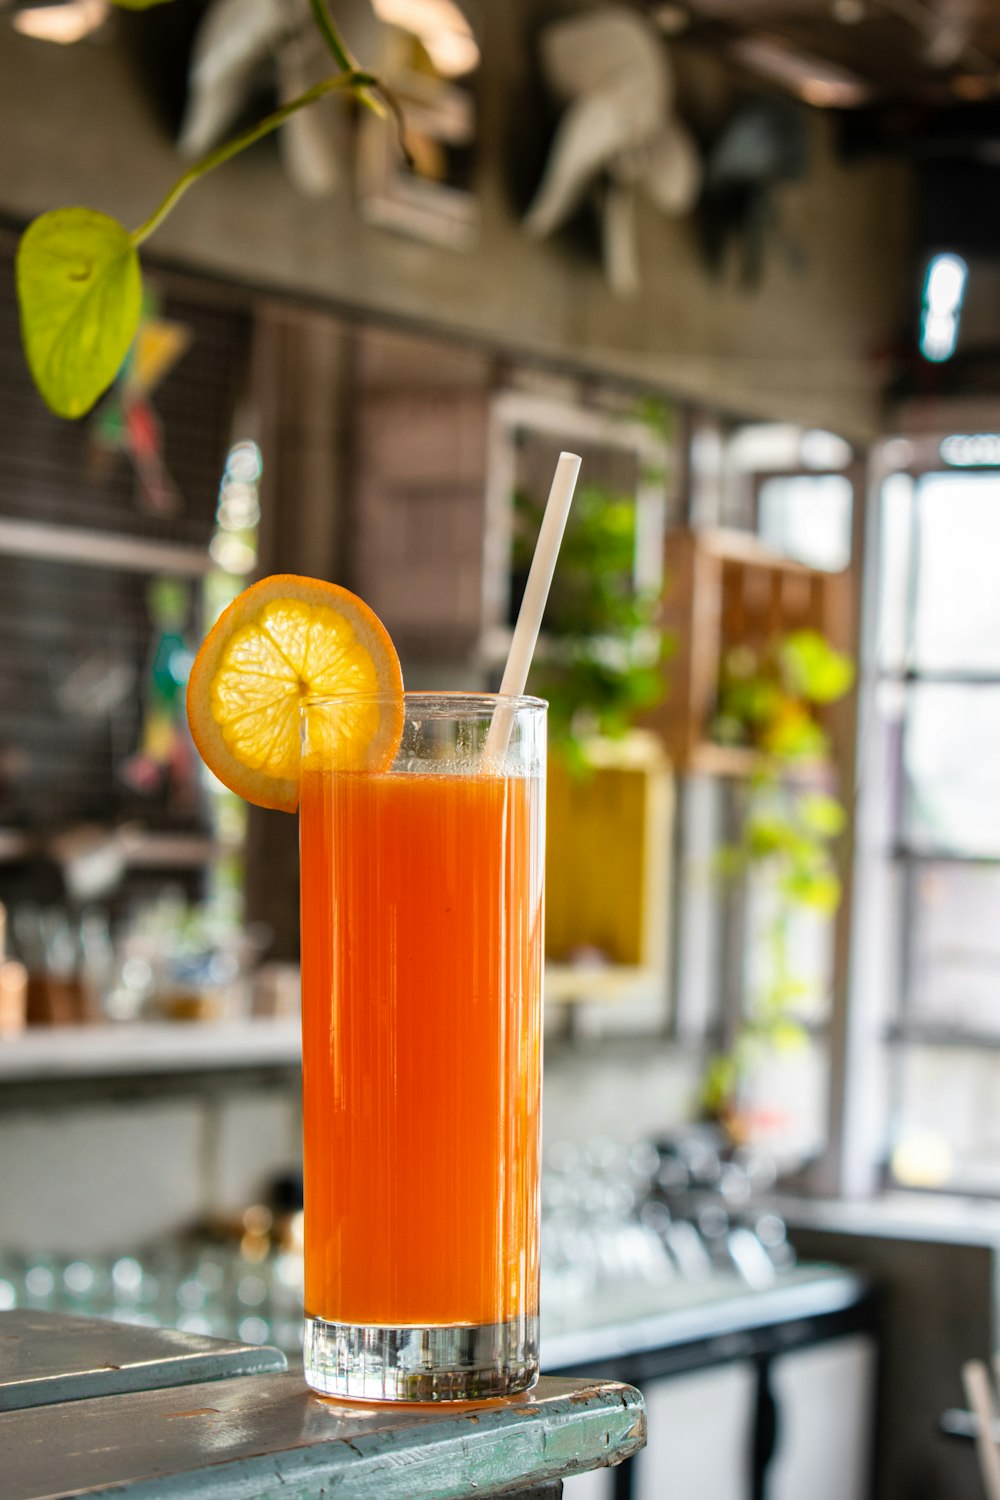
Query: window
{"points": [[938, 710], [739, 940]]}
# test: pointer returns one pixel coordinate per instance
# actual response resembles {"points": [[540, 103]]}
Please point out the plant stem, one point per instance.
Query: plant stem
{"points": [[342, 55], [338, 48], [331, 36], [352, 78]]}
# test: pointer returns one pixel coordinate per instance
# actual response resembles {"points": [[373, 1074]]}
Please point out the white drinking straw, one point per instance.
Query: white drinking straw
{"points": [[529, 616]]}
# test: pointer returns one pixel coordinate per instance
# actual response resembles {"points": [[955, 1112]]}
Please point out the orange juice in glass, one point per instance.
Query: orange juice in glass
{"points": [[421, 1031]]}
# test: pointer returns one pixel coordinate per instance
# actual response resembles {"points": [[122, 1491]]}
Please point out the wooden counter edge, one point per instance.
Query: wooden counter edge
{"points": [[265, 1437]]}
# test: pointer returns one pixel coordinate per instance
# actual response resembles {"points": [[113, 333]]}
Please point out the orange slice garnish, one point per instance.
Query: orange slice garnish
{"points": [[283, 640]]}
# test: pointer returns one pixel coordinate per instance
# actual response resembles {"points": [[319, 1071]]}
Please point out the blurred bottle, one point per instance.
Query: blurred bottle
{"points": [[13, 987]]}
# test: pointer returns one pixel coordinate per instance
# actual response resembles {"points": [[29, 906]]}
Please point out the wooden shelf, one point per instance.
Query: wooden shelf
{"points": [[83, 547], [140, 850], [724, 589], [709, 759], [572, 984], [180, 851], [148, 1047]]}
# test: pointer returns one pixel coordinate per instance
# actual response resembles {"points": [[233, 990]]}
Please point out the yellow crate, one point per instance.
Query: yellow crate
{"points": [[608, 852]]}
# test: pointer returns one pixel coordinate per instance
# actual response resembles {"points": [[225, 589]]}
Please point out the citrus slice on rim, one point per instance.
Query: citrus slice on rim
{"points": [[283, 640]]}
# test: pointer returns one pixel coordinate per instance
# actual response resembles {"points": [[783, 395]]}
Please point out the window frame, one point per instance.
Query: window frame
{"points": [[879, 1020]]}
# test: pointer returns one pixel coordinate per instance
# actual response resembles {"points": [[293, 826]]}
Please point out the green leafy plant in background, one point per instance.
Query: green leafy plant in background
{"points": [[79, 280], [767, 703], [599, 661]]}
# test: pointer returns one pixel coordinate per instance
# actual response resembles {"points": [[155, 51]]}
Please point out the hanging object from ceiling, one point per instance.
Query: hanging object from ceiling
{"points": [[619, 137], [763, 147], [428, 53], [236, 42]]}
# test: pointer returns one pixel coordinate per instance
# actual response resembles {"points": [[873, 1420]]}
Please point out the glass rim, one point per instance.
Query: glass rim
{"points": [[459, 698]]}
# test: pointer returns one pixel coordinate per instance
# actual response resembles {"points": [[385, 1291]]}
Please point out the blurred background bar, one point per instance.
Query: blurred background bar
{"points": [[766, 312]]}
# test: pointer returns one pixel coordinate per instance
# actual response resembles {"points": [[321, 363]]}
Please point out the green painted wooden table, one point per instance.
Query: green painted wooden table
{"points": [[264, 1435], [48, 1358]]}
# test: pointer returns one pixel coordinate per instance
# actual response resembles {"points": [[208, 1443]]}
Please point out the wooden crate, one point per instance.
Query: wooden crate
{"points": [[608, 842], [723, 589]]}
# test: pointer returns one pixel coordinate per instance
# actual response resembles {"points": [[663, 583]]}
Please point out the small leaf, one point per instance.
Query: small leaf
{"points": [[766, 834], [138, 4], [719, 1083], [814, 669], [819, 889], [80, 292], [782, 995], [793, 735], [787, 1036], [821, 814]]}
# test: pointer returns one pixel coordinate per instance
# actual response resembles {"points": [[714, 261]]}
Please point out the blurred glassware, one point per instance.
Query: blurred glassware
{"points": [[687, 1208], [167, 959], [675, 1219]]}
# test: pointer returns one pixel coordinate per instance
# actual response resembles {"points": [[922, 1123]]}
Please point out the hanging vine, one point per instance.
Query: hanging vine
{"points": [[79, 278]]}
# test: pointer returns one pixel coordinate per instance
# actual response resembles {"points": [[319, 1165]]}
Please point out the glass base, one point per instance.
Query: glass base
{"points": [[459, 1363]]}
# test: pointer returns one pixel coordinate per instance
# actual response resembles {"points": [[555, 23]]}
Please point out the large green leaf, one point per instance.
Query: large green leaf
{"points": [[79, 287]]}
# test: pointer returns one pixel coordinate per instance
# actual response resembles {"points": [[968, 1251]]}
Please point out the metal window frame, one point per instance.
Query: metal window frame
{"points": [[863, 1160]]}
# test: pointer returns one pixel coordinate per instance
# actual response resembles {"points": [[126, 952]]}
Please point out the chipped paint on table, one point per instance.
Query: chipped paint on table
{"points": [[267, 1436]]}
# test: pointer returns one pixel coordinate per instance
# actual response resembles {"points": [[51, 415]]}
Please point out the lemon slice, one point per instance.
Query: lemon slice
{"points": [[283, 640]]}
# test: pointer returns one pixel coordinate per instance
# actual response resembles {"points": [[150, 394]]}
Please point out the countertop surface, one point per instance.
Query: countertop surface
{"points": [[48, 1357], [76, 1052], [262, 1436], [936, 1217], [105, 1409], [632, 1318]]}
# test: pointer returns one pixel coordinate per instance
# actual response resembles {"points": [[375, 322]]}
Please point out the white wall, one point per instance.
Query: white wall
{"points": [[102, 1172]]}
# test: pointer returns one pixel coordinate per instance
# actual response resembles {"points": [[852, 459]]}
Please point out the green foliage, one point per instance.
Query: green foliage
{"points": [[785, 1036], [767, 702], [80, 294], [821, 814], [79, 282], [592, 591], [817, 887], [658, 416], [812, 669], [767, 699], [598, 664], [719, 1082]]}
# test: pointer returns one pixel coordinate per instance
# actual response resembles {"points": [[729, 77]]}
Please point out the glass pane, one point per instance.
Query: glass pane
{"points": [[786, 1101], [952, 764], [957, 618], [954, 927], [808, 517], [895, 524], [948, 1126], [786, 944]]}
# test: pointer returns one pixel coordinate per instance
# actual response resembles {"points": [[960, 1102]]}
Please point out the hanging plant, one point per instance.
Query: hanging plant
{"points": [[79, 279], [768, 702], [599, 661]]}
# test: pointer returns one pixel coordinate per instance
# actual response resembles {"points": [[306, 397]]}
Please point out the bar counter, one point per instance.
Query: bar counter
{"points": [[98, 1409]]}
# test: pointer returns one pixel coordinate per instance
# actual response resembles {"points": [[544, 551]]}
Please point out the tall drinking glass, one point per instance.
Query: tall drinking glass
{"points": [[421, 1040]]}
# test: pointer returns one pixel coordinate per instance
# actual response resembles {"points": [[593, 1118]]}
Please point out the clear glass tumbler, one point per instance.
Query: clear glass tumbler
{"points": [[422, 957]]}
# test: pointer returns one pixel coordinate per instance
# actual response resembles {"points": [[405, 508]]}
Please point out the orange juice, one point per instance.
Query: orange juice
{"points": [[421, 981]]}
